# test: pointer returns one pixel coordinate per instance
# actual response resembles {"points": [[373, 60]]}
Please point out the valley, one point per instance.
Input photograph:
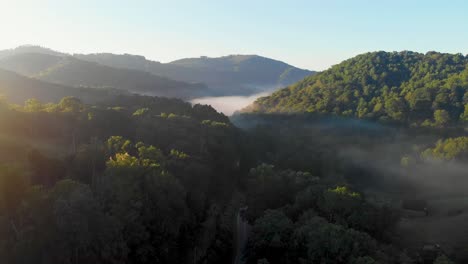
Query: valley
{"points": [[111, 161]]}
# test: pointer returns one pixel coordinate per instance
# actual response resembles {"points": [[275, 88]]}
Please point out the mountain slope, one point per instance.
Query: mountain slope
{"points": [[229, 75], [406, 87], [29, 49], [70, 71], [17, 89]]}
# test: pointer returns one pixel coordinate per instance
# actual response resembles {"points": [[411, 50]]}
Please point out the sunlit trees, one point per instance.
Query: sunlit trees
{"points": [[448, 149], [70, 104], [33, 105], [400, 87], [441, 118], [146, 199]]}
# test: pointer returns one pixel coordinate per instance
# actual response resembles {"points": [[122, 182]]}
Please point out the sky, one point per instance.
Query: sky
{"points": [[309, 34]]}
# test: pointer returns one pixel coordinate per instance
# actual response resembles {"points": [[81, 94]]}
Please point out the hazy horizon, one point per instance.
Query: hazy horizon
{"points": [[146, 57], [307, 34]]}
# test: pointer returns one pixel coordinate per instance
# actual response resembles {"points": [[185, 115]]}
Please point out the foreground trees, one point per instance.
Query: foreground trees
{"points": [[78, 194], [145, 180]]}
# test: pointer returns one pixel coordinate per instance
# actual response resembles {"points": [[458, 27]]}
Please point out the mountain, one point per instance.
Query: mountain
{"points": [[17, 88], [70, 71], [229, 75], [404, 87], [186, 78], [29, 49]]}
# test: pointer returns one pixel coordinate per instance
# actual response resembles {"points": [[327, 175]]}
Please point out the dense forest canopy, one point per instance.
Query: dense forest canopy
{"points": [[138, 179], [317, 175], [399, 87]]}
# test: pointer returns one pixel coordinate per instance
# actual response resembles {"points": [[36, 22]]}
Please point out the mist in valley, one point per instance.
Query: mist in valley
{"points": [[228, 105]]}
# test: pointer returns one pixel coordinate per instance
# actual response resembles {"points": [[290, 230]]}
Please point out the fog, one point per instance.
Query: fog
{"points": [[229, 104], [424, 178]]}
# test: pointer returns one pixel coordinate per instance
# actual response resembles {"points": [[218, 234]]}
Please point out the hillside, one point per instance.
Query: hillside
{"points": [[69, 71], [229, 75], [29, 49], [401, 87], [17, 89], [223, 76]]}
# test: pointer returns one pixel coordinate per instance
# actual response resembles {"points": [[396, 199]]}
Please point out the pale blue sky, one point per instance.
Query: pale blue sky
{"points": [[306, 33]]}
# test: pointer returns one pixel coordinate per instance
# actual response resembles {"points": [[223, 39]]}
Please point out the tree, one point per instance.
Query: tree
{"points": [[271, 236], [70, 104], [464, 115], [443, 260], [448, 149], [317, 241], [441, 118], [395, 108], [45, 171], [33, 105], [147, 201]]}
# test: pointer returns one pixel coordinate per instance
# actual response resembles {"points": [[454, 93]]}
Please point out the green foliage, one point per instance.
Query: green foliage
{"points": [[443, 260], [271, 236], [178, 154], [140, 112], [441, 118], [70, 104], [214, 123], [100, 198], [406, 161], [117, 144], [344, 191], [271, 189], [33, 105], [404, 87], [276, 239], [97, 197], [320, 242], [448, 149], [365, 260]]}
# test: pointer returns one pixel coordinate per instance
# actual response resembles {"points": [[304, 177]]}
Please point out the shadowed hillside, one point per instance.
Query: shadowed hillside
{"points": [[17, 89], [229, 75], [69, 71]]}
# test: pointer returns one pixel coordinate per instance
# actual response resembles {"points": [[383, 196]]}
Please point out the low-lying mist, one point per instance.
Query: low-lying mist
{"points": [[229, 104], [374, 148]]}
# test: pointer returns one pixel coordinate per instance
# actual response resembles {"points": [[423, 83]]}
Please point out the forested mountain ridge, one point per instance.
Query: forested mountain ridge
{"points": [[401, 87], [228, 75], [70, 71]]}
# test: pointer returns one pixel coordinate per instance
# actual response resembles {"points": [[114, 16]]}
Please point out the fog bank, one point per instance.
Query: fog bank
{"points": [[229, 104]]}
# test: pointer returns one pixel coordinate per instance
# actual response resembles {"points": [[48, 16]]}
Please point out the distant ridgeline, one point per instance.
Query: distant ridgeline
{"points": [[396, 87], [186, 78], [71, 72], [227, 75]]}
